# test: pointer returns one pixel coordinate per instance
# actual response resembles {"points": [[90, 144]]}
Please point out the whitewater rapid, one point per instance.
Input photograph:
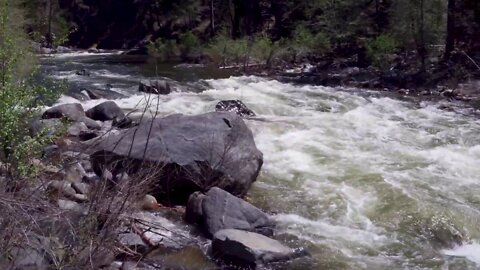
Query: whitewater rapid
{"points": [[364, 181]]}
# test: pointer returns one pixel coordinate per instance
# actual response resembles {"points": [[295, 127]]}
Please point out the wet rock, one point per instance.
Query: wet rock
{"points": [[90, 94], [234, 106], [71, 111], [449, 93], [250, 249], [221, 210], [193, 152], [123, 122], [105, 111], [162, 232], [63, 49], [159, 87], [83, 72], [133, 241]]}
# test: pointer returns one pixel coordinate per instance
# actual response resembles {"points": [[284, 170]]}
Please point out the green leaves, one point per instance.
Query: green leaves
{"points": [[380, 48], [20, 98]]}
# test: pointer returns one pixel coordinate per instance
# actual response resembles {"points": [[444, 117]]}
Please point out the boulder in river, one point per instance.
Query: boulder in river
{"points": [[235, 106], [219, 210], [158, 87], [185, 154], [71, 111], [90, 94], [106, 111], [82, 72], [250, 249]]}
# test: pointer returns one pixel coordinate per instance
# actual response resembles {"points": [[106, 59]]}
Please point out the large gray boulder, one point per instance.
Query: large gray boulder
{"points": [[250, 249], [106, 111], [218, 210], [71, 111], [184, 154]]}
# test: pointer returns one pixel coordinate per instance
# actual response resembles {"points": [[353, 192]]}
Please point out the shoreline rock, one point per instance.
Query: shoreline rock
{"points": [[184, 154], [218, 210]]}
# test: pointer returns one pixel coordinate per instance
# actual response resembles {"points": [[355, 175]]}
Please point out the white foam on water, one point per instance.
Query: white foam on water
{"points": [[340, 152], [81, 54], [469, 251]]}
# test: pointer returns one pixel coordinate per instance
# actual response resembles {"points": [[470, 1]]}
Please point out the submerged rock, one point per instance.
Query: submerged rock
{"points": [[250, 249], [106, 111], [234, 106], [123, 122], [82, 72], [185, 154], [159, 87], [219, 210]]}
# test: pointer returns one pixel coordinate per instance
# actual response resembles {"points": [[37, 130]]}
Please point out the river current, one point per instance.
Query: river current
{"points": [[362, 180]]}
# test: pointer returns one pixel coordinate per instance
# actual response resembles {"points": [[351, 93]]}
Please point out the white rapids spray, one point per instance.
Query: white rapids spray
{"points": [[368, 182]]}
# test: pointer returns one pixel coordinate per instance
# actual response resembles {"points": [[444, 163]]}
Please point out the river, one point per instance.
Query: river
{"points": [[361, 179]]}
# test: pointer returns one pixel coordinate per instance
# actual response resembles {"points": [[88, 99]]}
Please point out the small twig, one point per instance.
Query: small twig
{"points": [[471, 59], [142, 235]]}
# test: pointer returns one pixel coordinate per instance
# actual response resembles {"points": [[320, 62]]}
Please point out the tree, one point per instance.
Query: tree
{"points": [[450, 40]]}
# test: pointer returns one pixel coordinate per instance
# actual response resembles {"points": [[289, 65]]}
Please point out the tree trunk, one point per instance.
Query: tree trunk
{"points": [[212, 18], [450, 41], [422, 49], [49, 37]]}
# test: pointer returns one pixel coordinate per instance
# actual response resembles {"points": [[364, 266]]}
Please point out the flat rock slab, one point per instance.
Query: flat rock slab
{"points": [[250, 249]]}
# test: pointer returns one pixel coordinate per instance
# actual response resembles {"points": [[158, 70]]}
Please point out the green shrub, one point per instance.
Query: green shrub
{"points": [[20, 98], [163, 49], [189, 43], [380, 48], [304, 42], [226, 51]]}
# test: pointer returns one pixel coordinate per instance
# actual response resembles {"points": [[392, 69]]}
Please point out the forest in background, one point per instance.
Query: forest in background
{"points": [[378, 32]]}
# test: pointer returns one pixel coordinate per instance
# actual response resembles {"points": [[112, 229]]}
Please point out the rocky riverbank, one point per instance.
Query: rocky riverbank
{"points": [[143, 180]]}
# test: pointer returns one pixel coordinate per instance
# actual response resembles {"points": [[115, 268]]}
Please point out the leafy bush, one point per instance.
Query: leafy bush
{"points": [[189, 43], [226, 51], [380, 48], [19, 97], [304, 42], [264, 50], [163, 49]]}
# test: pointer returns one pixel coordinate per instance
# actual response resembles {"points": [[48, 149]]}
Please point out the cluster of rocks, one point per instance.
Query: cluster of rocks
{"points": [[205, 162]]}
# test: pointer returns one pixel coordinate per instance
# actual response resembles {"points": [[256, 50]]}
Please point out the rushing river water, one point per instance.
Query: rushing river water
{"points": [[363, 181]]}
